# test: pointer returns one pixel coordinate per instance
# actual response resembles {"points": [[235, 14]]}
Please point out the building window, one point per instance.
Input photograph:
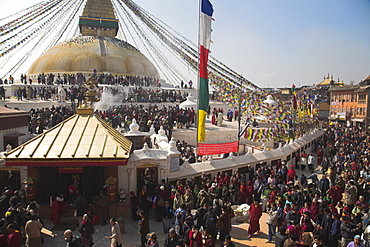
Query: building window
{"points": [[362, 99]]}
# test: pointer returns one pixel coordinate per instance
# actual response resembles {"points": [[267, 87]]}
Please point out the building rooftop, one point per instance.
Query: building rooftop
{"points": [[78, 139]]}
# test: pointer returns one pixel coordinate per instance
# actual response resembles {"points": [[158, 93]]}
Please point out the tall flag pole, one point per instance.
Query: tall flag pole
{"points": [[294, 110], [205, 21]]}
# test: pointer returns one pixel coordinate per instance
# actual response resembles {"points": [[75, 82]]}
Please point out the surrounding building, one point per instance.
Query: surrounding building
{"points": [[13, 132], [351, 104]]}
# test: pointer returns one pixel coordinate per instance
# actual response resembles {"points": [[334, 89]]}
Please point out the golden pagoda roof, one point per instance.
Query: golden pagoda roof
{"points": [[327, 81], [77, 139]]}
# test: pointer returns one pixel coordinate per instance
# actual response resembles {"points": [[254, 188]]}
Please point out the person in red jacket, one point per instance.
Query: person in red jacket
{"points": [[336, 192], [254, 221], [291, 174], [195, 237]]}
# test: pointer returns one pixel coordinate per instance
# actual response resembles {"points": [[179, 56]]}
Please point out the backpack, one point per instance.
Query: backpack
{"points": [[160, 202], [76, 242], [210, 222]]}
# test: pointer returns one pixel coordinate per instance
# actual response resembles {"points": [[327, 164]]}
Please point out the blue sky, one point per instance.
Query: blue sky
{"points": [[274, 42]]}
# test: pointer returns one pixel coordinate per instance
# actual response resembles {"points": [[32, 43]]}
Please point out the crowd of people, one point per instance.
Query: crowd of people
{"points": [[45, 118], [21, 223], [77, 93], [149, 115], [305, 211], [78, 78]]}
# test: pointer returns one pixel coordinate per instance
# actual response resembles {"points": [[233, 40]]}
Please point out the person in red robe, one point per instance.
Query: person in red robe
{"points": [[55, 210], [336, 192], [250, 191], [315, 209], [291, 174], [320, 155], [254, 221], [14, 237], [213, 119], [242, 193]]}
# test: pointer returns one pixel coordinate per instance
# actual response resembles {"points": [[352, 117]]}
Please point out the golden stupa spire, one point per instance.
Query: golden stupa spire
{"points": [[98, 19], [90, 96]]}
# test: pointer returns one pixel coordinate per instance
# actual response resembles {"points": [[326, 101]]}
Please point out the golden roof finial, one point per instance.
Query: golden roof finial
{"points": [[90, 96]]}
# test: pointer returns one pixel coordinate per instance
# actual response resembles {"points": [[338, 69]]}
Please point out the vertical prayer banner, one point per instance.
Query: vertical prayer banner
{"points": [[206, 11]]}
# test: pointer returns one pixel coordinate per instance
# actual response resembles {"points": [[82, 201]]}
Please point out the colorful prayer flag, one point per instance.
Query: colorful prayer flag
{"points": [[204, 45]]}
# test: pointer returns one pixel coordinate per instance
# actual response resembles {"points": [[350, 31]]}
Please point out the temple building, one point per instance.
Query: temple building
{"points": [[83, 150]]}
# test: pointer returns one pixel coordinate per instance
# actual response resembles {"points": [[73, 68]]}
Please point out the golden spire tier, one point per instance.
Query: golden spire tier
{"points": [[98, 19], [90, 96]]}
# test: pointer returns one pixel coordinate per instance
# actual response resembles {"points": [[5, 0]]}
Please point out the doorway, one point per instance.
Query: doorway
{"points": [[52, 182], [147, 176]]}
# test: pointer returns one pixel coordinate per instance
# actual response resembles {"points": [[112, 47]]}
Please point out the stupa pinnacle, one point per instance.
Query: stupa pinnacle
{"points": [[98, 19]]}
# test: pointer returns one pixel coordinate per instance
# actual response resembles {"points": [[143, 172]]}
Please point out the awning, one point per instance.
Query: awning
{"points": [[65, 163], [71, 170], [357, 120]]}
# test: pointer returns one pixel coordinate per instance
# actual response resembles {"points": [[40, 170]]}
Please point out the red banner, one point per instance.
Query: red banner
{"points": [[218, 148]]}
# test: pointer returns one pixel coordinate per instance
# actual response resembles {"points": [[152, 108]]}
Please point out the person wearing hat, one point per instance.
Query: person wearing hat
{"points": [[348, 230], [356, 242], [152, 240], [255, 215], [172, 238]]}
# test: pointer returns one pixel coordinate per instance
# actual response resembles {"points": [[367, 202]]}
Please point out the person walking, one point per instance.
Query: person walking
{"points": [[116, 238], [255, 215], [134, 204], [33, 231], [87, 231], [81, 206], [72, 241], [210, 219], [167, 216], [103, 207], [348, 230], [271, 221], [172, 239], [144, 228]]}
